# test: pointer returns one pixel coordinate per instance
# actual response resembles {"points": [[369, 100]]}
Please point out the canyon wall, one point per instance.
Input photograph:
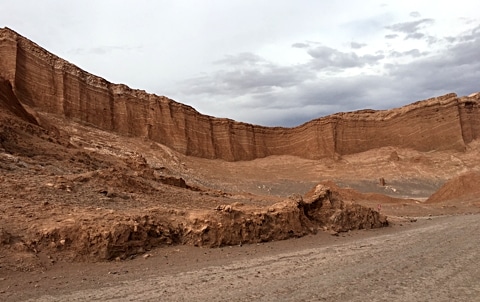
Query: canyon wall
{"points": [[48, 83], [10, 105]]}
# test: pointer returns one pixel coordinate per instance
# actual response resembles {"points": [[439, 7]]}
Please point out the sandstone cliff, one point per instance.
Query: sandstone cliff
{"points": [[9, 103], [48, 83]]}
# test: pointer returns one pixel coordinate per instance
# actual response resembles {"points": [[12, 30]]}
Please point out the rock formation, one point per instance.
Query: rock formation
{"points": [[77, 239], [47, 83], [10, 105]]}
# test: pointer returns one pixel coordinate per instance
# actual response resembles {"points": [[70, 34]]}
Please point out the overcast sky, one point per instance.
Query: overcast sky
{"points": [[274, 63]]}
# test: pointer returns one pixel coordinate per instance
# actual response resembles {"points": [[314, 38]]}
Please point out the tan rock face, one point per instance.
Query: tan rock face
{"points": [[48, 83]]}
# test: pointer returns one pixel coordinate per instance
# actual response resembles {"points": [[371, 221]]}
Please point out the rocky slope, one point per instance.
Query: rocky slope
{"points": [[462, 187], [47, 83]]}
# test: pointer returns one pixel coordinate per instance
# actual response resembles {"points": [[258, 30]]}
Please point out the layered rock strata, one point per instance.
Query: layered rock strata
{"points": [[76, 239], [10, 104], [48, 83]]}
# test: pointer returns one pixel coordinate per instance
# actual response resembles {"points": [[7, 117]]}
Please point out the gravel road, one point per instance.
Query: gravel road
{"points": [[436, 260]]}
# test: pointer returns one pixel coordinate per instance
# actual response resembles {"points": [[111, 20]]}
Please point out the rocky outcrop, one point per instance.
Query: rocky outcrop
{"points": [[48, 83], [79, 238]]}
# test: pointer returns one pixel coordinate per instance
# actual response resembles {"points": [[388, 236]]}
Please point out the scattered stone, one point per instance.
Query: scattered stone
{"points": [[147, 256], [394, 156], [333, 233]]}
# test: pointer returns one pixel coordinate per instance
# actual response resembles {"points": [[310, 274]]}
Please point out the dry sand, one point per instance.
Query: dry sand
{"points": [[70, 201], [432, 259]]}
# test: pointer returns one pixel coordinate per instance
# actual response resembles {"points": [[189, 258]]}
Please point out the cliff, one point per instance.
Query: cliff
{"points": [[48, 83], [10, 105]]}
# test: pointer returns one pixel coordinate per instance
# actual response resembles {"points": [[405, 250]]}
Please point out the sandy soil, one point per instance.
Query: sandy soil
{"points": [[432, 259], [86, 214]]}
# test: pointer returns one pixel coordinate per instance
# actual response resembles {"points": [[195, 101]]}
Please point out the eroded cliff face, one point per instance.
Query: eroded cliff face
{"points": [[48, 83], [10, 104]]}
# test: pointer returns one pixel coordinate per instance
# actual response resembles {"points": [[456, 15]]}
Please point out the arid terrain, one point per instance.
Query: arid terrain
{"points": [[112, 193]]}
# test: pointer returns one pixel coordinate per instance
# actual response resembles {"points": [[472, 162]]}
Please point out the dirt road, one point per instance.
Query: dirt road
{"points": [[437, 259]]}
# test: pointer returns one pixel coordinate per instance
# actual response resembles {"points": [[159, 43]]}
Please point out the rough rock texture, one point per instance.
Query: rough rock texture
{"points": [[10, 104], [79, 238], [17, 126], [48, 83]]}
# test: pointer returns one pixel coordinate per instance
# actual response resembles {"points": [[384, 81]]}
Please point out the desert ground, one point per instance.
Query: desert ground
{"points": [[435, 258], [91, 215]]}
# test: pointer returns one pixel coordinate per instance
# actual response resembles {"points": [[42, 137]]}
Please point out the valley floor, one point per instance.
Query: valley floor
{"points": [[91, 215], [431, 259]]}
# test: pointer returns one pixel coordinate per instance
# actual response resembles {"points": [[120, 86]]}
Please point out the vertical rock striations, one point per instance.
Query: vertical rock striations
{"points": [[48, 83], [10, 104]]}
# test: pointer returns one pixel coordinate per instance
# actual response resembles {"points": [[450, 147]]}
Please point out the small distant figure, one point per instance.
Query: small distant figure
{"points": [[382, 181], [379, 207]]}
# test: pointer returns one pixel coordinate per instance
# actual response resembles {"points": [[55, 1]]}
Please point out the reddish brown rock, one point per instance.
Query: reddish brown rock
{"points": [[461, 187], [9, 103], [394, 156], [48, 83]]}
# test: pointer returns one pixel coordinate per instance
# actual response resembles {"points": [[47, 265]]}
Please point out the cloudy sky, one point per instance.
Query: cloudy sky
{"points": [[274, 63]]}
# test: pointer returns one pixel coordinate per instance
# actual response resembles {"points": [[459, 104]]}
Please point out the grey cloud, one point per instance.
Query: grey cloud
{"points": [[274, 95], [241, 59], [101, 50], [415, 14], [356, 45], [451, 39], [402, 85], [272, 76], [471, 35], [396, 54], [372, 59], [326, 96], [255, 76], [391, 36], [300, 45], [410, 27], [415, 53], [415, 36], [327, 57], [337, 93], [431, 40], [413, 30], [454, 69]]}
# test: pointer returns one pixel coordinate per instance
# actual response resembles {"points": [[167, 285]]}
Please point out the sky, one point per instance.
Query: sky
{"points": [[272, 63]]}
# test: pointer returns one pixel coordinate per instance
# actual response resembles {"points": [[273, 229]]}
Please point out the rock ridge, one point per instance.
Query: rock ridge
{"points": [[47, 83]]}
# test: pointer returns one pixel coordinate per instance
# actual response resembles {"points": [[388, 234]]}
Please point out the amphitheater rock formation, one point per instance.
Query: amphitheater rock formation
{"points": [[47, 83]]}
